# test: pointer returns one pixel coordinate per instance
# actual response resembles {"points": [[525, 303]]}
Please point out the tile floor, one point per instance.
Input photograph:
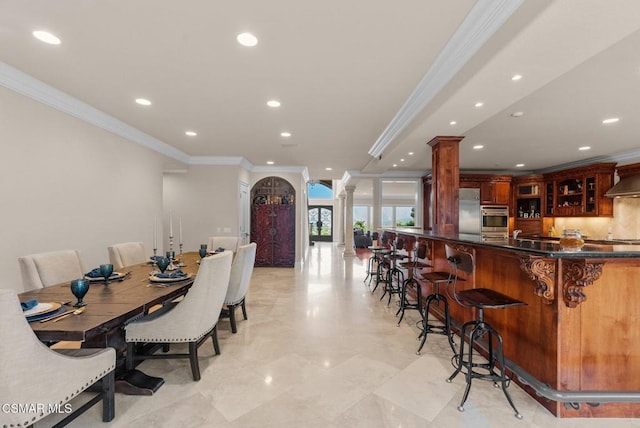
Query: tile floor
{"points": [[319, 350]]}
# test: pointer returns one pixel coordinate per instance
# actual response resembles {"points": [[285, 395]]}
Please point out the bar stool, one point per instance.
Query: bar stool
{"points": [[382, 262], [394, 275], [374, 259], [412, 267], [436, 278], [480, 299]]}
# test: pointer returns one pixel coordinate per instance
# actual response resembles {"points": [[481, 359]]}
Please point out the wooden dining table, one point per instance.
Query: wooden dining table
{"points": [[109, 307]]}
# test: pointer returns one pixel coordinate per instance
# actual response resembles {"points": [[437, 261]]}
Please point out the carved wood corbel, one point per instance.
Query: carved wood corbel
{"points": [[543, 272], [577, 274]]}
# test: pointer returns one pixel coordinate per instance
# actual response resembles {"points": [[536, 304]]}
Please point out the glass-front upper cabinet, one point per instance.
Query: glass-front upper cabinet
{"points": [[579, 191]]}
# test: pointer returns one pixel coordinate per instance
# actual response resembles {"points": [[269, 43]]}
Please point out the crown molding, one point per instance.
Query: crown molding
{"points": [[282, 169], [24, 84], [221, 161], [480, 24], [621, 158]]}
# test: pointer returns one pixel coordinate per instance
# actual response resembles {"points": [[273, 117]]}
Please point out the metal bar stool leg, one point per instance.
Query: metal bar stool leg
{"points": [[404, 301], [445, 329]]}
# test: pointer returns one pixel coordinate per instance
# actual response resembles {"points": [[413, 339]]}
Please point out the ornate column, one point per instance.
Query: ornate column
{"points": [[340, 220], [445, 167], [348, 222], [377, 206]]}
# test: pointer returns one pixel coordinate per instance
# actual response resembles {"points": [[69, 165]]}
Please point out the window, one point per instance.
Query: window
{"points": [[400, 216], [319, 190], [399, 203], [362, 217]]}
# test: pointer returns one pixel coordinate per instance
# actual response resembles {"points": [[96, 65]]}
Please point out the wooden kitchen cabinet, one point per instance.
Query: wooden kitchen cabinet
{"points": [[495, 189], [495, 193], [579, 192]]}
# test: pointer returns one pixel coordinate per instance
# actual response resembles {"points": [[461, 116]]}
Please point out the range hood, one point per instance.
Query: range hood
{"points": [[629, 184]]}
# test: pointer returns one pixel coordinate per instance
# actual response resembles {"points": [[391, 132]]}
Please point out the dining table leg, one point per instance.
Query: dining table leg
{"points": [[128, 382]]}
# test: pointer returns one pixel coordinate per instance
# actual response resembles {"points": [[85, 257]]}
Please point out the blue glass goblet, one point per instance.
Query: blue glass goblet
{"points": [[106, 270], [79, 288], [203, 252], [163, 263]]}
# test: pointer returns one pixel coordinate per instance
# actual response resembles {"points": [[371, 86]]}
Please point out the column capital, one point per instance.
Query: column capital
{"points": [[444, 139], [349, 189]]}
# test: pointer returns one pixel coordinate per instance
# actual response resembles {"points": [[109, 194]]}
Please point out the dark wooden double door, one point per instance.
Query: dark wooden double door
{"points": [[273, 230]]}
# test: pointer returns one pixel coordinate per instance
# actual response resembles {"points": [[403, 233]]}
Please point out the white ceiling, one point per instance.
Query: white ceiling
{"points": [[348, 74]]}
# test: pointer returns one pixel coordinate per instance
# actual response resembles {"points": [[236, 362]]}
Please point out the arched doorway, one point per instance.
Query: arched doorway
{"points": [[273, 222]]}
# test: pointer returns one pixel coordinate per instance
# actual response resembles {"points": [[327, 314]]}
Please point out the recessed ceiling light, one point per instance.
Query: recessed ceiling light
{"points": [[143, 101], [328, 168], [610, 120], [247, 39], [401, 160], [583, 148], [478, 147], [517, 114], [270, 162], [453, 122], [273, 103], [45, 36], [395, 165], [285, 134], [479, 104], [191, 133], [410, 153], [519, 165], [516, 77]]}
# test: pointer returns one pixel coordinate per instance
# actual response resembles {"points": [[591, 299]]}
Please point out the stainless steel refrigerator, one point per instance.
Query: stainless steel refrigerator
{"points": [[469, 213]]}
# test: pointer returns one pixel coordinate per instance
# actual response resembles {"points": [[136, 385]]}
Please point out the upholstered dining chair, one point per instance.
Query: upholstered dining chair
{"points": [[192, 321], [227, 242], [127, 254], [241, 271], [32, 373], [51, 268]]}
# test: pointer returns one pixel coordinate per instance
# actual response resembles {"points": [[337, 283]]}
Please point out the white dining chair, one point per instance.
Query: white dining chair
{"points": [[227, 242], [51, 268], [241, 271], [192, 321], [32, 373], [127, 254]]}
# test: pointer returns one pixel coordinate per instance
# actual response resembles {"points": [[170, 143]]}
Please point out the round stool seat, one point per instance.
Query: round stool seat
{"points": [[487, 298]]}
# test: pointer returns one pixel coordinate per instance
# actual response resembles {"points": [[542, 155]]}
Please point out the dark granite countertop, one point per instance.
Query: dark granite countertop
{"points": [[542, 246]]}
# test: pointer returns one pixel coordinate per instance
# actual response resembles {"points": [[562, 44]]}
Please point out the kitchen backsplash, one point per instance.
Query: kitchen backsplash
{"points": [[624, 225]]}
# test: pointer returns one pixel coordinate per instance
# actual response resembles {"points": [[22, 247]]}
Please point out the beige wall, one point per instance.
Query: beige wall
{"points": [[206, 197], [68, 184]]}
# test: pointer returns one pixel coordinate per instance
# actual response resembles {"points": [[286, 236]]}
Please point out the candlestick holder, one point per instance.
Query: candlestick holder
{"points": [[180, 263], [155, 261], [171, 254]]}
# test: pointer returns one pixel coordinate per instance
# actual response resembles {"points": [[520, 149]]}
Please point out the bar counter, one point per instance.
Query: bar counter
{"points": [[575, 346]]}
